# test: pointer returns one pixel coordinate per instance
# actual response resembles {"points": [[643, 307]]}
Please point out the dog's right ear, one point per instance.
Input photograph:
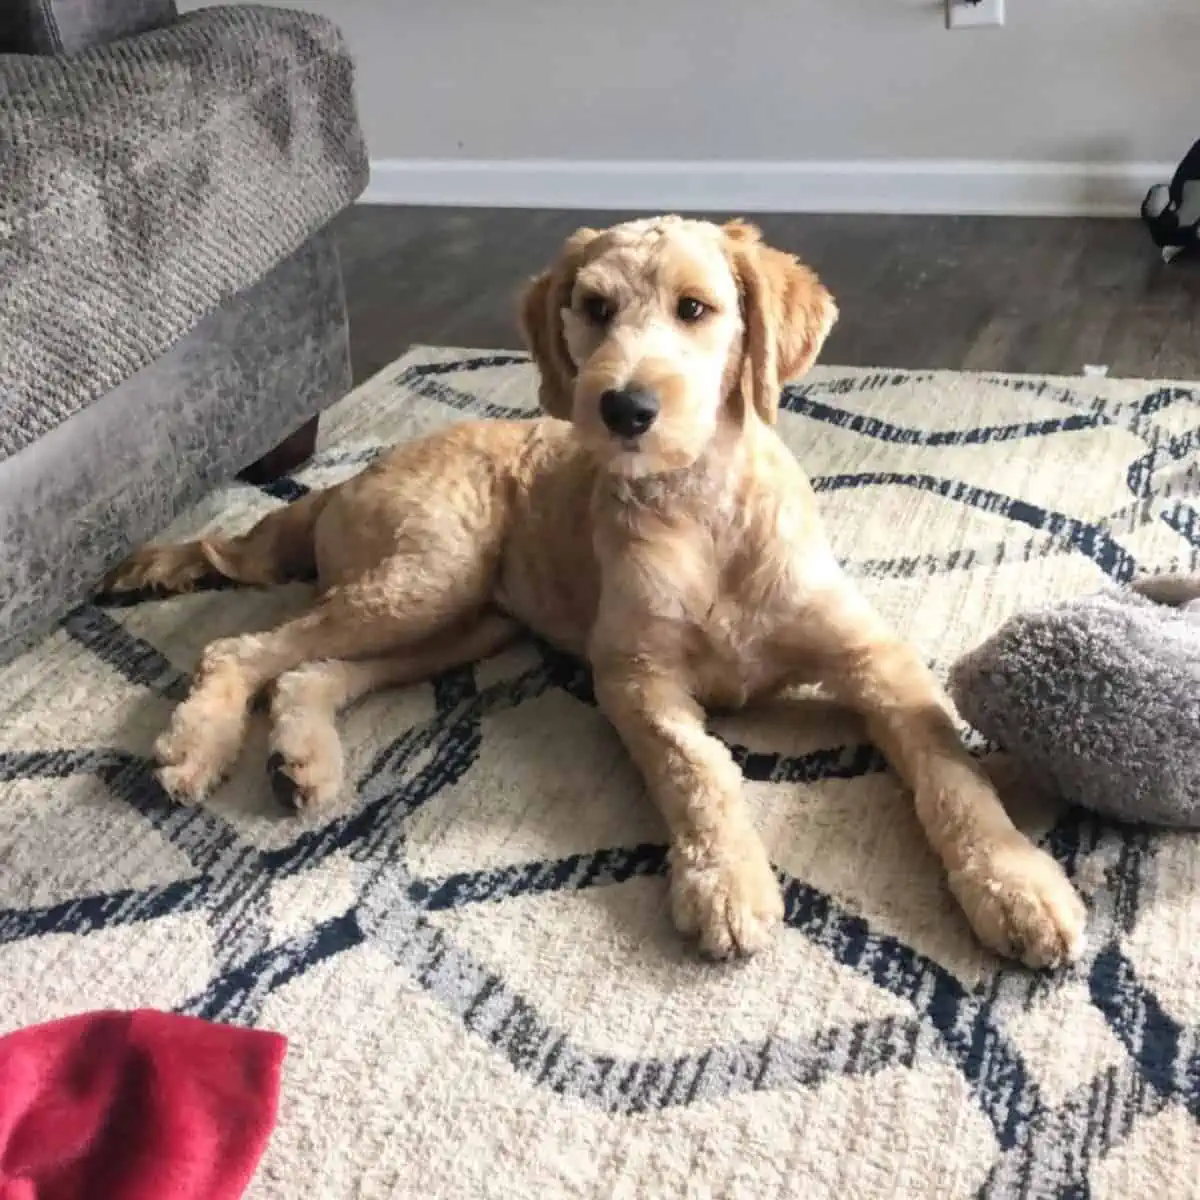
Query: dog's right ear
{"points": [[540, 319]]}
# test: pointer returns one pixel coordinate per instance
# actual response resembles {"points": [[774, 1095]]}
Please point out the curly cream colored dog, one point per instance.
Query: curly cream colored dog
{"points": [[655, 523]]}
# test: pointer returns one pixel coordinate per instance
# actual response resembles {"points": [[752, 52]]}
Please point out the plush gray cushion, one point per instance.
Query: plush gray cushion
{"points": [[64, 26], [1098, 699], [147, 181]]}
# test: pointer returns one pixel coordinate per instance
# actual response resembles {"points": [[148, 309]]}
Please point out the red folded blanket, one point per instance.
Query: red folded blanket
{"points": [[135, 1106]]}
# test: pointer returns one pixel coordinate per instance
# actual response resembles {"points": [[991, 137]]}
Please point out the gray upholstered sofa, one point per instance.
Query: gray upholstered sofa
{"points": [[171, 304]]}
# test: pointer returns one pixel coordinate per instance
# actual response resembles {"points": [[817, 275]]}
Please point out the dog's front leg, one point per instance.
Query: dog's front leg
{"points": [[1017, 898], [723, 890]]}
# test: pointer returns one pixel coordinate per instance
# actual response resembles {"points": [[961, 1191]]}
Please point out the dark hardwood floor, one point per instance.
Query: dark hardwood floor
{"points": [[979, 293]]}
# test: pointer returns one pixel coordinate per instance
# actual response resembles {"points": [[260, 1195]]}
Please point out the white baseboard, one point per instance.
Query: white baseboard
{"points": [[1064, 189]]}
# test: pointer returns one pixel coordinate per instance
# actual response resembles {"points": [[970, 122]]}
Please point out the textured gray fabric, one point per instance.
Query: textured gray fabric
{"points": [[1099, 698], [81, 497], [147, 181], [58, 26], [10, 29]]}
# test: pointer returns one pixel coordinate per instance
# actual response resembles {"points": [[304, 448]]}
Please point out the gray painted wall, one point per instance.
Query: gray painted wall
{"points": [[784, 80]]}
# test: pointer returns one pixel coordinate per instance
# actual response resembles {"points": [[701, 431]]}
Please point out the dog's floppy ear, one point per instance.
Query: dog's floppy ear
{"points": [[788, 314], [546, 295]]}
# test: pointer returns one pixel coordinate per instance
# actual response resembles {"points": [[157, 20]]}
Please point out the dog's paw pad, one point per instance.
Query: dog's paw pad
{"points": [[286, 790]]}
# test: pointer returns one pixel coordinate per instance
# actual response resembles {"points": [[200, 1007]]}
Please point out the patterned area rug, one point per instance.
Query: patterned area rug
{"points": [[474, 964]]}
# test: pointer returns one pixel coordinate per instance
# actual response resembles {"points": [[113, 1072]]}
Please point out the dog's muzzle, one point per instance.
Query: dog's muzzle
{"points": [[629, 411]]}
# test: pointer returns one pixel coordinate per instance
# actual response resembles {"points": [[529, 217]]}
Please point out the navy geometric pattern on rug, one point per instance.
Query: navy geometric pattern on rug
{"points": [[954, 499]]}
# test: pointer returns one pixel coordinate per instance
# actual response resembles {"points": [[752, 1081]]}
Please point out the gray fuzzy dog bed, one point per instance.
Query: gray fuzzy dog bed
{"points": [[1098, 698]]}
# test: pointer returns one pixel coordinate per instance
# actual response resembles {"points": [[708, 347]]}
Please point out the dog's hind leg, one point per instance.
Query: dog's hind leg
{"points": [[405, 552], [277, 549], [402, 603], [305, 764]]}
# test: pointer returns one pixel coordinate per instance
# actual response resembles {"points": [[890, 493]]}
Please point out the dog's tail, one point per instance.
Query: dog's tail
{"points": [[1177, 591], [276, 550]]}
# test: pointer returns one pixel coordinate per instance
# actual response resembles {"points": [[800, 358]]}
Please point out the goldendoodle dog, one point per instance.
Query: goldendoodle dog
{"points": [[652, 522]]}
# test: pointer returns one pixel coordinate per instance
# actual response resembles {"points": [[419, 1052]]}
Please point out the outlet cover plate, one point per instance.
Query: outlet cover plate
{"points": [[961, 15]]}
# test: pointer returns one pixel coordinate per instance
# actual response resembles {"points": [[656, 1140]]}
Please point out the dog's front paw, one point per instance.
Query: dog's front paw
{"points": [[726, 896], [1021, 904]]}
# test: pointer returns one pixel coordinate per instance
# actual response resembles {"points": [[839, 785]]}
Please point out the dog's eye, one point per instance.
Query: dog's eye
{"points": [[690, 309], [597, 309]]}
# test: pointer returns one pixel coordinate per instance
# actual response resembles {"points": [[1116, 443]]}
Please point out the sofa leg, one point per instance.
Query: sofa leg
{"points": [[291, 454]]}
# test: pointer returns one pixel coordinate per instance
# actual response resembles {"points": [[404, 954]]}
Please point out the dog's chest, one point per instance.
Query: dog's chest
{"points": [[730, 652], [714, 598]]}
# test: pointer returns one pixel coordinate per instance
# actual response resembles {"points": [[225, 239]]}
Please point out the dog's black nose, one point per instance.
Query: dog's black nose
{"points": [[628, 411]]}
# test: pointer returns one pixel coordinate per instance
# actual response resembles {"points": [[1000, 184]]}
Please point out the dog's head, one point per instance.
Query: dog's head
{"points": [[652, 333]]}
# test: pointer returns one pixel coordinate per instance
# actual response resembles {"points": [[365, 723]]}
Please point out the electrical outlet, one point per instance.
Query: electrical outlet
{"points": [[974, 14]]}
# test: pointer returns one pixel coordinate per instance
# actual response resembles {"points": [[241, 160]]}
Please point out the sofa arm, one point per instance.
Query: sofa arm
{"points": [[147, 181], [65, 26]]}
